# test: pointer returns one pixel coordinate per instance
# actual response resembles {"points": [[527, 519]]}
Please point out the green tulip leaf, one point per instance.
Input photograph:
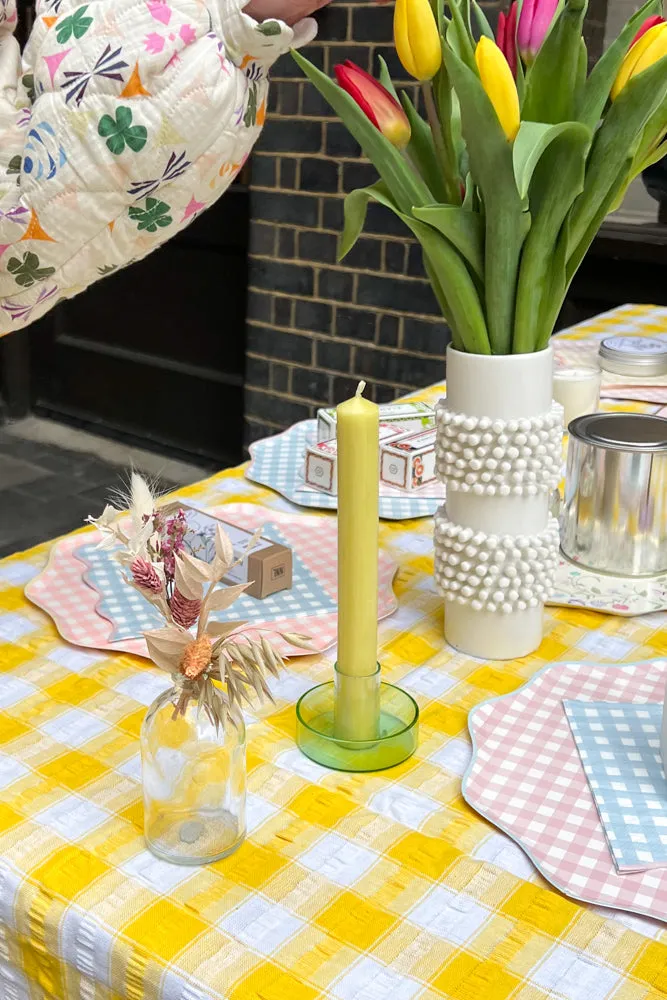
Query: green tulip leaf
{"points": [[533, 138], [465, 312], [385, 78], [404, 184], [568, 257], [505, 221], [459, 37], [354, 210], [452, 284], [603, 74], [520, 81], [450, 125], [582, 70], [619, 133], [654, 157], [579, 240], [556, 182], [552, 79], [469, 198], [439, 293], [649, 150], [482, 22], [463, 229], [421, 150]]}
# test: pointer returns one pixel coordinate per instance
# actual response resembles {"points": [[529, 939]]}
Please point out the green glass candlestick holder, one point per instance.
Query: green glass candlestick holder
{"points": [[357, 723]]}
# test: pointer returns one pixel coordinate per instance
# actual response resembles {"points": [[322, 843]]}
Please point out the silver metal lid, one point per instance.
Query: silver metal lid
{"points": [[622, 431], [644, 356]]}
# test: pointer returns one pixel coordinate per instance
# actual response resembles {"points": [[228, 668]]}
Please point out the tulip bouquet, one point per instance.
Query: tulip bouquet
{"points": [[519, 155]]}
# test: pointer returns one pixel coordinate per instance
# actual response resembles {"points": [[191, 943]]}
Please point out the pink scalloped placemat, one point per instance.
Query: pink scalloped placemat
{"points": [[61, 591], [526, 778]]}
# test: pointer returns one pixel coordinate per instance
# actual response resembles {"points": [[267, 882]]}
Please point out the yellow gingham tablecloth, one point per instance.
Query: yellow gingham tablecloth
{"points": [[382, 886]]}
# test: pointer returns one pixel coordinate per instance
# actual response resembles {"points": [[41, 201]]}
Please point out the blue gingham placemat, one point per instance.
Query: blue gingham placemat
{"points": [[278, 462], [619, 746], [131, 614]]}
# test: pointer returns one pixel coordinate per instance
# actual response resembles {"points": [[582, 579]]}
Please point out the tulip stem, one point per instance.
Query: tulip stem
{"points": [[449, 175]]}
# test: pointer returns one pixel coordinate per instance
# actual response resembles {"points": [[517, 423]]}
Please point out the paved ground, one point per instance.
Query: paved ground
{"points": [[47, 490]]}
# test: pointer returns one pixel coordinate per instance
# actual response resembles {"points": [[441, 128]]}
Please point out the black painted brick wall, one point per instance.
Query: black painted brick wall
{"points": [[315, 327]]}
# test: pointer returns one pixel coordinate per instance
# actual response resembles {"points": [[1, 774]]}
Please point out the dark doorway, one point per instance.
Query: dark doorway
{"points": [[154, 354]]}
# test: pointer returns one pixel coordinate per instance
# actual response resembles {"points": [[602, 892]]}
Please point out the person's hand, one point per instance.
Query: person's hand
{"points": [[289, 11]]}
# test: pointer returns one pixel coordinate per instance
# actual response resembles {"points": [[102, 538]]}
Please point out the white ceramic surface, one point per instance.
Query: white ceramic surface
{"points": [[506, 387]]}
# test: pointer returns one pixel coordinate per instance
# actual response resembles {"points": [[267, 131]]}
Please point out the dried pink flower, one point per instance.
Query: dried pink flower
{"points": [[184, 611], [145, 575], [172, 533]]}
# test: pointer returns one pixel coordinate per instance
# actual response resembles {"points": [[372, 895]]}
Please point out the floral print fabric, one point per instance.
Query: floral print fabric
{"points": [[121, 123]]}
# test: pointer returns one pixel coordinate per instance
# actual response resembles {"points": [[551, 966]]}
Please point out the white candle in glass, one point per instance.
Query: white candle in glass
{"points": [[577, 390]]}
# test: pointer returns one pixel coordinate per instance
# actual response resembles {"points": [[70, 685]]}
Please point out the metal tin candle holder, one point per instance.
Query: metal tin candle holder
{"points": [[331, 744]]}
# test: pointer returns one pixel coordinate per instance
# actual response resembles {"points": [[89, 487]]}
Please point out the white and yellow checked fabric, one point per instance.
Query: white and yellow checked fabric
{"points": [[350, 887]]}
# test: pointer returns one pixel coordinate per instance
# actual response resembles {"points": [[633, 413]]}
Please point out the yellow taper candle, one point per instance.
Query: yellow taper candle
{"points": [[357, 432]]}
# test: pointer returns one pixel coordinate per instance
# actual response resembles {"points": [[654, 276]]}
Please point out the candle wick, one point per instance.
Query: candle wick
{"points": [[360, 389]]}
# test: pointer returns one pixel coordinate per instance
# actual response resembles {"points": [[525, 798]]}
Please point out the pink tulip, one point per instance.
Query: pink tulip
{"points": [[534, 23], [506, 36]]}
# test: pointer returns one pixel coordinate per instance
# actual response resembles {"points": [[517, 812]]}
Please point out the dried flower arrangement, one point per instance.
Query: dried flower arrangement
{"points": [[185, 590]]}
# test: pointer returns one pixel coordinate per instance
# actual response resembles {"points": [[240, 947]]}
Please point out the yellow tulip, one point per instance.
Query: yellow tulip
{"points": [[417, 38], [498, 82], [647, 50]]}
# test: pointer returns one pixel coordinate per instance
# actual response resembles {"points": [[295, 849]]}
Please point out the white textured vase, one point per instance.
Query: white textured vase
{"points": [[496, 546]]}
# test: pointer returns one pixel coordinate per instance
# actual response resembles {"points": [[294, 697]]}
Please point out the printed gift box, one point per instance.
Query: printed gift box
{"points": [[409, 462], [410, 416], [320, 468]]}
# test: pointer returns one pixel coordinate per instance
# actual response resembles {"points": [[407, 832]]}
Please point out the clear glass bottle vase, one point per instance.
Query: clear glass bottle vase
{"points": [[194, 782]]}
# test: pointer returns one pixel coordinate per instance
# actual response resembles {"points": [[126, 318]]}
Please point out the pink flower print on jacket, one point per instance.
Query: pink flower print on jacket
{"points": [[187, 34], [159, 10], [154, 43]]}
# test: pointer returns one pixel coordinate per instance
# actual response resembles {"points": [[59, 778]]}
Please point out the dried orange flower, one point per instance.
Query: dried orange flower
{"points": [[196, 657]]}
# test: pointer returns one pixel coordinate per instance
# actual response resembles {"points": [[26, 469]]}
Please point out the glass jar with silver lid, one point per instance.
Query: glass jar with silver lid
{"points": [[634, 356]]}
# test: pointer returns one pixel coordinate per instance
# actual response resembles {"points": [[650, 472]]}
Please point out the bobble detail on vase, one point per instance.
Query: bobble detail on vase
{"points": [[502, 573], [499, 457]]}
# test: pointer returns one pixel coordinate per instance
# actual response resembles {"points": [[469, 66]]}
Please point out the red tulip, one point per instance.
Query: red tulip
{"points": [[650, 22], [376, 102], [506, 35]]}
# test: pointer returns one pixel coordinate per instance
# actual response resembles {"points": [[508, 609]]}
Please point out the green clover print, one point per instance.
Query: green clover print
{"points": [[120, 132], [27, 271], [250, 116], [74, 26], [268, 28], [156, 213]]}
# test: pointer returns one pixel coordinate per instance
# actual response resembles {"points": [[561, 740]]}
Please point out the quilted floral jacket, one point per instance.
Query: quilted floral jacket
{"points": [[121, 123]]}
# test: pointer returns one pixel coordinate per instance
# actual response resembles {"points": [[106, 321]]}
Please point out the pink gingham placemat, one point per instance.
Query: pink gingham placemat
{"points": [[526, 778], [62, 592]]}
